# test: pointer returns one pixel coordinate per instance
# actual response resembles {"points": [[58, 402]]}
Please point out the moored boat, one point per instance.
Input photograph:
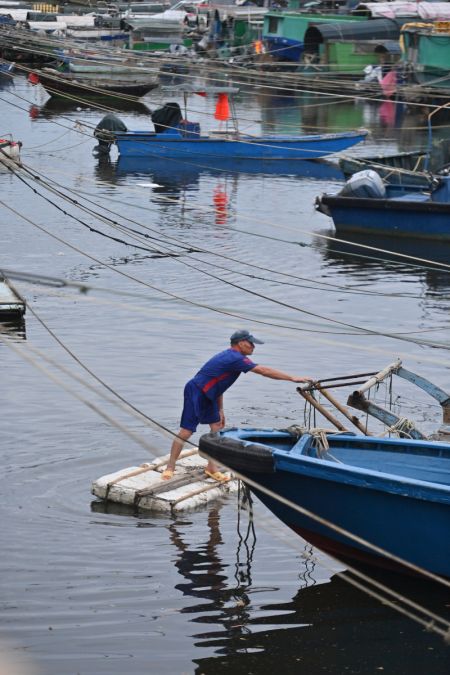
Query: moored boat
{"points": [[67, 85], [366, 205], [370, 499], [393, 493], [177, 138], [9, 151], [12, 304], [403, 168], [6, 69]]}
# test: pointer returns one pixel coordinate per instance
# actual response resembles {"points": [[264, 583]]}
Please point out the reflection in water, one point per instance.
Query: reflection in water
{"points": [[6, 82], [323, 626], [105, 170], [16, 328], [59, 106], [357, 260], [174, 170], [333, 635], [238, 625]]}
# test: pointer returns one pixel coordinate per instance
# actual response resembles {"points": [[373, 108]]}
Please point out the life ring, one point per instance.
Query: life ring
{"points": [[237, 454]]}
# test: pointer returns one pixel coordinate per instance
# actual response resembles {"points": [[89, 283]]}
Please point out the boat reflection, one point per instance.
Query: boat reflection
{"points": [[6, 81], [249, 630], [355, 258], [332, 628], [14, 329], [316, 622], [187, 172], [59, 106]]}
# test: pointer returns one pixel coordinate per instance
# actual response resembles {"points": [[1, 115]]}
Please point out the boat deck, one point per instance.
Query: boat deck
{"points": [[432, 469]]}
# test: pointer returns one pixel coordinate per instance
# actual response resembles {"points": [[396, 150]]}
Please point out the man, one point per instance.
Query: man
{"points": [[203, 395]]}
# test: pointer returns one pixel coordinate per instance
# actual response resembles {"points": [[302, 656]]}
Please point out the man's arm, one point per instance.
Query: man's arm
{"points": [[275, 374]]}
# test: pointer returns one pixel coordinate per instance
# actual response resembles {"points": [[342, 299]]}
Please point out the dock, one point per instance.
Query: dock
{"points": [[142, 486]]}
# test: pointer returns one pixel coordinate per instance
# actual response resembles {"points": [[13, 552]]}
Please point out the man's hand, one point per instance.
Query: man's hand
{"points": [[303, 379]]}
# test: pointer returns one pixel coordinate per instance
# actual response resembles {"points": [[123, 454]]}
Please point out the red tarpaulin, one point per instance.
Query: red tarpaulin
{"points": [[222, 108]]}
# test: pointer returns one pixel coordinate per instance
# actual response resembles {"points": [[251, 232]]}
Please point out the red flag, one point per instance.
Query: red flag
{"points": [[222, 108]]}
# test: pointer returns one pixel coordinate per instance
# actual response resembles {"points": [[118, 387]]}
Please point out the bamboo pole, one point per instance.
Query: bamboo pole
{"points": [[379, 377], [307, 396], [352, 418]]}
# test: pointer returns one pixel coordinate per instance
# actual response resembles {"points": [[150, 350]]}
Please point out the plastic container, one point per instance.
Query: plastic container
{"points": [[189, 129]]}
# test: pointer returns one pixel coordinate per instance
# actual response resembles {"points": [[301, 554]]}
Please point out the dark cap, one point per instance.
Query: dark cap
{"points": [[239, 335]]}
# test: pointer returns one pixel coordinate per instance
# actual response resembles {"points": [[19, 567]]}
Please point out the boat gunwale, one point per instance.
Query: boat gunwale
{"points": [[152, 136], [334, 201], [293, 461]]}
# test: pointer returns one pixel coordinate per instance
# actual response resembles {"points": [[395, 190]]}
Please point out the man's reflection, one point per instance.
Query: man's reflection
{"points": [[204, 574]]}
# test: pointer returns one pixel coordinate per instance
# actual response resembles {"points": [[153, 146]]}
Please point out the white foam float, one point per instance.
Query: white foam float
{"points": [[142, 486]]}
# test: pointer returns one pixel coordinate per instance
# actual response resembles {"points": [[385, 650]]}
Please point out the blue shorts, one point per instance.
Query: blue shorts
{"points": [[198, 408]]}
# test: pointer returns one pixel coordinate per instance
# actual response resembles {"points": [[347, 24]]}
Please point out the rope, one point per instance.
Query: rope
{"points": [[254, 293], [402, 428], [430, 624]]}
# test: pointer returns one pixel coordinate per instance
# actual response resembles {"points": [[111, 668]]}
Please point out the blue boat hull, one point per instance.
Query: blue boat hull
{"points": [[405, 512], [175, 146], [386, 217]]}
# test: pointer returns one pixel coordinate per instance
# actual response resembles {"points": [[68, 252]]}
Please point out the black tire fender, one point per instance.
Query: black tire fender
{"points": [[236, 454]]}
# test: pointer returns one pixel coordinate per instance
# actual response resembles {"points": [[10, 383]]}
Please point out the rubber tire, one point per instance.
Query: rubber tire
{"points": [[235, 454]]}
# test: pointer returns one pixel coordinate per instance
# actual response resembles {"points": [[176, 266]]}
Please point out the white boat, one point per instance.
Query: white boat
{"points": [[9, 152], [12, 305]]}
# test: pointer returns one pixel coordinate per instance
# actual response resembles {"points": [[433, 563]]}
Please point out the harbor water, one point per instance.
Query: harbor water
{"points": [[173, 259]]}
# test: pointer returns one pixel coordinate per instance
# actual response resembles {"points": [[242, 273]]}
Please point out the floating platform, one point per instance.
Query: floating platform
{"points": [[143, 488], [12, 305]]}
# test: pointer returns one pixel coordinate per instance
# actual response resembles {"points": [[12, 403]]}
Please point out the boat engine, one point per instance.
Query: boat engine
{"points": [[104, 132], [364, 184]]}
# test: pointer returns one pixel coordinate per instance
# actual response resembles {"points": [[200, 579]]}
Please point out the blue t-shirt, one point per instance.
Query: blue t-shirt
{"points": [[221, 371]]}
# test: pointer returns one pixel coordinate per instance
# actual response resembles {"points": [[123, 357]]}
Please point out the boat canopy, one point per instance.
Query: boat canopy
{"points": [[434, 11], [374, 29]]}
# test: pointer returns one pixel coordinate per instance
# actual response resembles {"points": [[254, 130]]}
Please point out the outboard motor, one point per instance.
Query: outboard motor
{"points": [[167, 117], [104, 132], [366, 184]]}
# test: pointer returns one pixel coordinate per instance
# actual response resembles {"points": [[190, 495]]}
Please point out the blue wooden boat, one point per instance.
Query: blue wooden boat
{"points": [[178, 138], [392, 493], [390, 210], [186, 141]]}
